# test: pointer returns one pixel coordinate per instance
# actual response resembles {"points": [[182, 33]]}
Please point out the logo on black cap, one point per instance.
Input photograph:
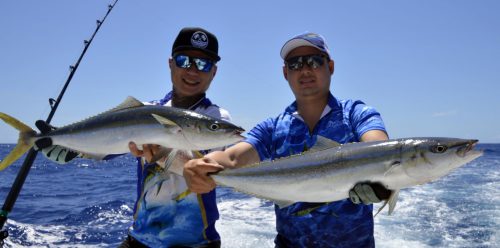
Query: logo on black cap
{"points": [[199, 39]]}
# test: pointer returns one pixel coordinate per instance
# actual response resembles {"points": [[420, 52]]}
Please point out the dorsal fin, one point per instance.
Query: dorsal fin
{"points": [[130, 102], [323, 143]]}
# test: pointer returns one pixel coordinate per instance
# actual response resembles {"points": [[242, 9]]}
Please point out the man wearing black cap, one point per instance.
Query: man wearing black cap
{"points": [[166, 213], [308, 68]]}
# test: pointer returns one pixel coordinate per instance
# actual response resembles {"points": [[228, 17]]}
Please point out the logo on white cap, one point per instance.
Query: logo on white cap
{"points": [[199, 39]]}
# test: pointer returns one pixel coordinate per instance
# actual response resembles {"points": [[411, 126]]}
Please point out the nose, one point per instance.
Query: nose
{"points": [[306, 70], [192, 69]]}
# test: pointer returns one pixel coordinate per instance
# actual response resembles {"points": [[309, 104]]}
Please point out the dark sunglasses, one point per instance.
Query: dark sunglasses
{"points": [[313, 61], [184, 61]]}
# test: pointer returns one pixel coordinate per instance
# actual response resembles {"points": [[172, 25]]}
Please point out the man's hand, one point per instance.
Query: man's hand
{"points": [[151, 153], [196, 172], [368, 193], [58, 154], [146, 152]]}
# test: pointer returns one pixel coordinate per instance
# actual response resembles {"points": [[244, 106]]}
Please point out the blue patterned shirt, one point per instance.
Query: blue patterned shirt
{"points": [[334, 224]]}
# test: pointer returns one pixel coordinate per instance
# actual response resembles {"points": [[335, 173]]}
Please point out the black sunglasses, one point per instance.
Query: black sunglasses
{"points": [[184, 61], [313, 61]]}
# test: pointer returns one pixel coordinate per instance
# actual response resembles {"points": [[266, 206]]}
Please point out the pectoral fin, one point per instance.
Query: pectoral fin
{"points": [[165, 122], [393, 167]]}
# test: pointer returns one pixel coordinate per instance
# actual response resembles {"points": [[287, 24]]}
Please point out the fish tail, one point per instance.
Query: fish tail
{"points": [[24, 142]]}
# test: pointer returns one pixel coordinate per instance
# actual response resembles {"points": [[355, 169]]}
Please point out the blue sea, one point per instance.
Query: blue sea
{"points": [[90, 204]]}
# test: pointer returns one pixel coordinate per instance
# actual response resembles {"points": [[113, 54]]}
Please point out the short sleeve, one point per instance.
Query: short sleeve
{"points": [[364, 118], [260, 137]]}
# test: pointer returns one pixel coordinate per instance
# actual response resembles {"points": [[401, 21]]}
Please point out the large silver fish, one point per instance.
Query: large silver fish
{"points": [[111, 131], [328, 171]]}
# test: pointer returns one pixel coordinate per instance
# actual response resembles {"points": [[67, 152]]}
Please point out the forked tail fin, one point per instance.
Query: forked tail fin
{"points": [[23, 143]]}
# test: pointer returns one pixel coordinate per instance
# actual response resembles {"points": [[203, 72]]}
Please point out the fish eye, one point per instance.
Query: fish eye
{"points": [[439, 149], [214, 126]]}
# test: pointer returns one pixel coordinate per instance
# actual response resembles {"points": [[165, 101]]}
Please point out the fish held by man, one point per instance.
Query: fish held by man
{"points": [[110, 132], [329, 170]]}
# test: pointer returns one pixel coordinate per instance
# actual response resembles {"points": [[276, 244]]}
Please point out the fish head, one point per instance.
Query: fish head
{"points": [[207, 133], [427, 159]]}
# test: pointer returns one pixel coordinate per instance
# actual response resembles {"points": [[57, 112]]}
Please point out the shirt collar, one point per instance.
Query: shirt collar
{"points": [[333, 104], [167, 101]]}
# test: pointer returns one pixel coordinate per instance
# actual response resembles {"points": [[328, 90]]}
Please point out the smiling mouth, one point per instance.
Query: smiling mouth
{"points": [[190, 82], [306, 81]]}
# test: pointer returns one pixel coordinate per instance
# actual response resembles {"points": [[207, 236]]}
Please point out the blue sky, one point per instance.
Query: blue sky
{"points": [[432, 68]]}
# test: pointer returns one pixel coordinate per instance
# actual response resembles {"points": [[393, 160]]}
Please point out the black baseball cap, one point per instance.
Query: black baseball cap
{"points": [[194, 38]]}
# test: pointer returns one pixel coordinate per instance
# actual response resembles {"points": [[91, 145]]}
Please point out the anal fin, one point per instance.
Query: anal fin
{"points": [[393, 198]]}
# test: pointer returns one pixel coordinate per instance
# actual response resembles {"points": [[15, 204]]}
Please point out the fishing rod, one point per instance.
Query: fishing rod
{"points": [[30, 157]]}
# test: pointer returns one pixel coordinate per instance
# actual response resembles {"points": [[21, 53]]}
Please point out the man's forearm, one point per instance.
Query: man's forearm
{"points": [[235, 156]]}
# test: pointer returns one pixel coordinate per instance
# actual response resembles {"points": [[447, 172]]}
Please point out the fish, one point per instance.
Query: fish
{"points": [[110, 132], [328, 171]]}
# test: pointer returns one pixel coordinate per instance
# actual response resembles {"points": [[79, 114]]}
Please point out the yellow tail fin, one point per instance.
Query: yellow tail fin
{"points": [[23, 143]]}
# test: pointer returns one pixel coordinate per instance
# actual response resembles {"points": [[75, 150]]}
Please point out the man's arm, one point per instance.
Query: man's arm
{"points": [[196, 171], [374, 135]]}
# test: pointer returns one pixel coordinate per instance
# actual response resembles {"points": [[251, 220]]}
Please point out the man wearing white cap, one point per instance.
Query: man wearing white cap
{"points": [[308, 68]]}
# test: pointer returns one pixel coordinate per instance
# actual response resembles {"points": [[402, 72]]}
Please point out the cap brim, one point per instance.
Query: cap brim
{"points": [[185, 48], [294, 43]]}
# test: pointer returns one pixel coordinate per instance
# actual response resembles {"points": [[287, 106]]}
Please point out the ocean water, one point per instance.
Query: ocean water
{"points": [[89, 204]]}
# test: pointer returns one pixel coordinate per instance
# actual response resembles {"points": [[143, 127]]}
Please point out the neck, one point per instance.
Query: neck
{"points": [[311, 110], [186, 102]]}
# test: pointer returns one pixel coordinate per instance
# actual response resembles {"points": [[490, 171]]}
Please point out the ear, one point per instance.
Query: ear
{"points": [[170, 63], [215, 70], [331, 66], [285, 72]]}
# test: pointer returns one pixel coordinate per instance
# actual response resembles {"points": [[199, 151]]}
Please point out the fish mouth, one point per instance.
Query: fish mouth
{"points": [[467, 149], [238, 132]]}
